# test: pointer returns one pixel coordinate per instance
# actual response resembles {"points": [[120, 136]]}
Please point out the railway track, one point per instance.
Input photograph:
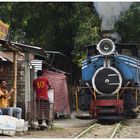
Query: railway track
{"points": [[100, 131]]}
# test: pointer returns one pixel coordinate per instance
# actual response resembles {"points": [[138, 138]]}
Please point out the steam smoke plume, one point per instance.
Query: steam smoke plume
{"points": [[109, 12]]}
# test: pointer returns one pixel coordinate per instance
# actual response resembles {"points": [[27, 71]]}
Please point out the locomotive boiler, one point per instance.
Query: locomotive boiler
{"points": [[111, 76]]}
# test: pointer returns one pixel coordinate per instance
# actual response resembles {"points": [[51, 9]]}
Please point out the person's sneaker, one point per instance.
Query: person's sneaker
{"points": [[43, 127]]}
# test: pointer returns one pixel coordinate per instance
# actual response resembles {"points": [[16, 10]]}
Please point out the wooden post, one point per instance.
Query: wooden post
{"points": [[77, 110], [15, 79]]}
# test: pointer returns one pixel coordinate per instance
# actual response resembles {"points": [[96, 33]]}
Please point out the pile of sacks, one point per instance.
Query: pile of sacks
{"points": [[10, 125]]}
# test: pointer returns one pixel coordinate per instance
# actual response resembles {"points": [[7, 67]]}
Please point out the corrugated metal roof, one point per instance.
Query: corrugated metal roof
{"points": [[32, 49], [2, 58], [7, 45], [14, 46], [5, 57], [55, 52]]}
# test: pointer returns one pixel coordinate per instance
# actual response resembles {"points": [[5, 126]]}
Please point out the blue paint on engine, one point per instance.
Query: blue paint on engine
{"points": [[90, 65], [129, 67]]}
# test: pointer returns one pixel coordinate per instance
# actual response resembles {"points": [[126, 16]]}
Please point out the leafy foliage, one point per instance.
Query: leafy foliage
{"points": [[63, 26], [87, 32], [128, 25]]}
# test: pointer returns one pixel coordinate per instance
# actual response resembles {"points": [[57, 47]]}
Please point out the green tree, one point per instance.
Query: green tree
{"points": [[87, 31], [63, 27], [128, 25]]}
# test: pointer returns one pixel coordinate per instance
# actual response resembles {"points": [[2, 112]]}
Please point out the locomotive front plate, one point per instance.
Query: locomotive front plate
{"points": [[107, 80]]}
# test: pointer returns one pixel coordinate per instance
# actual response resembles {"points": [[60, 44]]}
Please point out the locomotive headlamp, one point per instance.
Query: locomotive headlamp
{"points": [[106, 47]]}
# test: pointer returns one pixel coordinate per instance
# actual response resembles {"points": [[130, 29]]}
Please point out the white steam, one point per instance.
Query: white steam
{"points": [[109, 12]]}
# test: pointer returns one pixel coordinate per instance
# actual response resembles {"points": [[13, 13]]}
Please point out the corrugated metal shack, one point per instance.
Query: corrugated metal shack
{"points": [[58, 82], [17, 70], [18, 66]]}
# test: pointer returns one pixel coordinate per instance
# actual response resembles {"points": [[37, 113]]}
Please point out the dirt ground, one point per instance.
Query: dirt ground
{"points": [[69, 128], [63, 128]]}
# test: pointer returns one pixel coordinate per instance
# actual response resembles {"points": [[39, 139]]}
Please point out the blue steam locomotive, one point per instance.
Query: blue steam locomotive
{"points": [[111, 76]]}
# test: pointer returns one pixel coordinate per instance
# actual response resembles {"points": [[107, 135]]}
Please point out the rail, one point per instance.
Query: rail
{"points": [[85, 131], [113, 130]]}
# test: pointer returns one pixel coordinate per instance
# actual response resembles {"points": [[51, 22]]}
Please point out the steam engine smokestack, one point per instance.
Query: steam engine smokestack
{"points": [[114, 36]]}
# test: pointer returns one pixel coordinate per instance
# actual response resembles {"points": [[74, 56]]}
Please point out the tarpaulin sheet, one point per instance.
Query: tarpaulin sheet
{"points": [[59, 84]]}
